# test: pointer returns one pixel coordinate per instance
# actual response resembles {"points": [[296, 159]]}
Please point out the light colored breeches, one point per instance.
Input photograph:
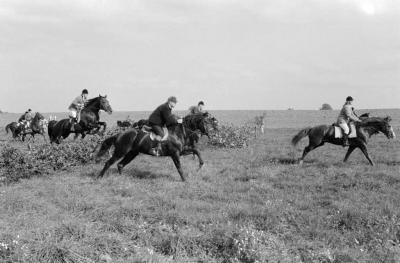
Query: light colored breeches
{"points": [[345, 127]]}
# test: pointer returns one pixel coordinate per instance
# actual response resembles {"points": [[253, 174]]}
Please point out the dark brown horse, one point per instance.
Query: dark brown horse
{"points": [[180, 141], [321, 134], [89, 121]]}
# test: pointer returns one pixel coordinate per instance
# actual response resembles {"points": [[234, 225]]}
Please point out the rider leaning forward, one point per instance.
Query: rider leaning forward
{"points": [[162, 116], [345, 116], [76, 106]]}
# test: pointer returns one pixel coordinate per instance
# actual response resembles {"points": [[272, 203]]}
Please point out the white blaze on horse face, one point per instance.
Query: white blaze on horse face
{"points": [[392, 132]]}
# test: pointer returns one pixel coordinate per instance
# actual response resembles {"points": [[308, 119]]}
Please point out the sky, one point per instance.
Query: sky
{"points": [[232, 54]]}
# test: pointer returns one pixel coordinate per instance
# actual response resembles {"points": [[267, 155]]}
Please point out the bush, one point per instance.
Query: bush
{"points": [[326, 106], [230, 136], [41, 159]]}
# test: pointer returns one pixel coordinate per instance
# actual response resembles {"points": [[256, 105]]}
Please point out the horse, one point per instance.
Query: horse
{"points": [[180, 141], [124, 124], [37, 125], [14, 128], [319, 135], [89, 121]]}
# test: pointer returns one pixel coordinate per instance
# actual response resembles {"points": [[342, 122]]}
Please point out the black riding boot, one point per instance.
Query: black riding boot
{"points": [[345, 140], [73, 122]]}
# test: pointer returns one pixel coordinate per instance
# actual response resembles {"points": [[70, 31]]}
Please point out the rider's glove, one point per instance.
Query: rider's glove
{"points": [[180, 120]]}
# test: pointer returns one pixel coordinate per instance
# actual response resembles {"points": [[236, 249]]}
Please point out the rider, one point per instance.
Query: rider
{"points": [[26, 118], [345, 116], [197, 109], [162, 116], [75, 108]]}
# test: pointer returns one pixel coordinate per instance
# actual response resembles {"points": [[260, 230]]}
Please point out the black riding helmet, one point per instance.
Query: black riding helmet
{"points": [[349, 98], [85, 91]]}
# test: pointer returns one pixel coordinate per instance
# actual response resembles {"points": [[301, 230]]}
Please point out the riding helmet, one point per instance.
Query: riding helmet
{"points": [[349, 98]]}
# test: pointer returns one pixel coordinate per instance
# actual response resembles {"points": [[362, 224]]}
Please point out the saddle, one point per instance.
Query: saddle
{"points": [[148, 129], [339, 131]]}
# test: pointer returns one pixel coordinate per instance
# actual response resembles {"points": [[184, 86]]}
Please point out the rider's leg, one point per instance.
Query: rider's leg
{"points": [[160, 133], [72, 119], [346, 132]]}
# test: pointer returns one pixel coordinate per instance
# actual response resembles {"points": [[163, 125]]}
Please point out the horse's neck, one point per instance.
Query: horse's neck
{"points": [[370, 130], [93, 107]]}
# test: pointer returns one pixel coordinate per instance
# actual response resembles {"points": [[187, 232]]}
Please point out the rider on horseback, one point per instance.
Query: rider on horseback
{"points": [[75, 108], [26, 118], [197, 109], [345, 116], [162, 116]]}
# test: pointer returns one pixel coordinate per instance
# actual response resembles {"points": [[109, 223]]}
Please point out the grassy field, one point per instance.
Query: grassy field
{"points": [[245, 205]]}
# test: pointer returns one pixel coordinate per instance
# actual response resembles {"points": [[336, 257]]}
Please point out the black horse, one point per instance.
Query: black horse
{"points": [[89, 121], [321, 134], [180, 141], [37, 125], [196, 121]]}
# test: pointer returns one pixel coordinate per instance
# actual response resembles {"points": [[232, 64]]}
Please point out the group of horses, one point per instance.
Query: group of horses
{"points": [[182, 138]]}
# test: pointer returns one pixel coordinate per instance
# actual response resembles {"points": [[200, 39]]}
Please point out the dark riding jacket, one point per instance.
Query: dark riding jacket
{"points": [[162, 116]]}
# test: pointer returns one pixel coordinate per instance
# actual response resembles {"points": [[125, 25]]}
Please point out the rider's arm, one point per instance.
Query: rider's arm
{"points": [[349, 113]]}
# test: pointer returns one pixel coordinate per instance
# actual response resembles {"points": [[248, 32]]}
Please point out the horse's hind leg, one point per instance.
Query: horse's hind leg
{"points": [[308, 149], [127, 159]]}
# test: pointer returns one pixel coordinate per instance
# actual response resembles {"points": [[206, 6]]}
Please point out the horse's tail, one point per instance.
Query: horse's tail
{"points": [[106, 145], [8, 127], [303, 133]]}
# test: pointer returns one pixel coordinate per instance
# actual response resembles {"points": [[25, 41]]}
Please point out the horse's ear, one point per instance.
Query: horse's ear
{"points": [[105, 96]]}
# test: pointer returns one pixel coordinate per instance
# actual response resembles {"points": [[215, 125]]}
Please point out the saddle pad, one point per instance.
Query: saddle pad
{"points": [[339, 131], [153, 135]]}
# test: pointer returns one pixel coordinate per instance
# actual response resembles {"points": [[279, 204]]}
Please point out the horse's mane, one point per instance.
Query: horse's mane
{"points": [[89, 102]]}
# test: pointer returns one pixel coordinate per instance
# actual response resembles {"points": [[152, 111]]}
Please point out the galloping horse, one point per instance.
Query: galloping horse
{"points": [[195, 121], [37, 126], [321, 134], [89, 122], [180, 141]]}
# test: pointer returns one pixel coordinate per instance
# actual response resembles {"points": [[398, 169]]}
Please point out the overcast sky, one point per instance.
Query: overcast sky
{"points": [[233, 54]]}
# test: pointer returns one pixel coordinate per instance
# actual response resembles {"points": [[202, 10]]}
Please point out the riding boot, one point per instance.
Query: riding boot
{"points": [[345, 140], [72, 121]]}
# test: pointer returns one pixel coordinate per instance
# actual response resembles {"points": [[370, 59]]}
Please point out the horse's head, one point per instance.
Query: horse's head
{"points": [[38, 116], [213, 122], [387, 128], [380, 125], [104, 104]]}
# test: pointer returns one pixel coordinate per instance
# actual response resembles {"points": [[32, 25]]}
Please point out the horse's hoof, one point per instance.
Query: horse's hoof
{"points": [[184, 177], [200, 166]]}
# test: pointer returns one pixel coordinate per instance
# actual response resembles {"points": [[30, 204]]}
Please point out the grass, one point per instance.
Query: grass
{"points": [[246, 205]]}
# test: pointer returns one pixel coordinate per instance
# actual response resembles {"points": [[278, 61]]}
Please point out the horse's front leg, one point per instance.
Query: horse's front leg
{"points": [[176, 158], [195, 152], [363, 148], [104, 124]]}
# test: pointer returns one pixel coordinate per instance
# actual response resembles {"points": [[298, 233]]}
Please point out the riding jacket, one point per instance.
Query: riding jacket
{"points": [[347, 114], [162, 116], [78, 103]]}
